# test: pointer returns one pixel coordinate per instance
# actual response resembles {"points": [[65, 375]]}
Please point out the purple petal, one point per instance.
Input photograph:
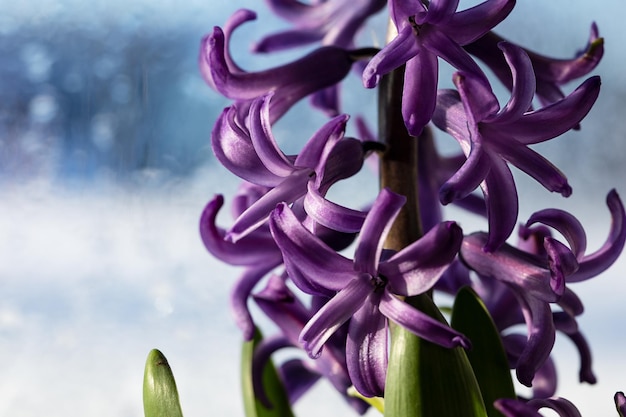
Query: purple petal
{"points": [[263, 140], [298, 377], [416, 268], [541, 336], [469, 176], [502, 204], [286, 40], [566, 224], [334, 314], [232, 146], [531, 163], [441, 10], [366, 348], [396, 53], [375, 228], [292, 188], [321, 143], [468, 25], [524, 83], [332, 215], [562, 406], [562, 263], [555, 119], [620, 403], [478, 99], [344, 161], [241, 293], [252, 250], [420, 323], [515, 408], [510, 265], [419, 96], [307, 259], [597, 262]]}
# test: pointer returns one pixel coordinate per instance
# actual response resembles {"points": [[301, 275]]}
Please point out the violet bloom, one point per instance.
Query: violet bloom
{"points": [[424, 34], [251, 152], [551, 73], [490, 137], [537, 280], [365, 291], [331, 22], [291, 82]]}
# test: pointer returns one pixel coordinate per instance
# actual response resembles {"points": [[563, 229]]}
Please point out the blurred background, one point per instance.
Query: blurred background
{"points": [[105, 166]]}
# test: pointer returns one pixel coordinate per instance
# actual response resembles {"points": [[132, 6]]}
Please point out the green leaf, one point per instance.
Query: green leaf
{"points": [[424, 379], [471, 317], [160, 396], [273, 386]]}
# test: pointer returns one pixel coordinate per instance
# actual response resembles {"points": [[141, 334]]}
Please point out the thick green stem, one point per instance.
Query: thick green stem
{"points": [[398, 166]]}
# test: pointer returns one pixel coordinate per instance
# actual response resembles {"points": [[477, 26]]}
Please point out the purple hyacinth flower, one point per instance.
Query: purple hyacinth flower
{"points": [[251, 152], [424, 34], [331, 22], [291, 82], [538, 278], [365, 291], [551, 73], [490, 137]]}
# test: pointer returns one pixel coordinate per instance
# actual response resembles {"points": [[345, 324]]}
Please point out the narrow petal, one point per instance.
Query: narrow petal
{"points": [[515, 408], [420, 91], [478, 99], [396, 53], [620, 403], [509, 264], [262, 355], [298, 377], [232, 146], [416, 268], [366, 348], [524, 83], [292, 188], [322, 142], [468, 25], [562, 263], [420, 323], [286, 40], [502, 204], [307, 258], [531, 162], [375, 228], [469, 176], [598, 261], [334, 314], [564, 223], [332, 215], [441, 10], [240, 295], [250, 251], [263, 140], [557, 118], [563, 407], [541, 337]]}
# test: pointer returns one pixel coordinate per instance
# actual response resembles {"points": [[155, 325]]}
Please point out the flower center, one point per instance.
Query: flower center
{"points": [[378, 282]]}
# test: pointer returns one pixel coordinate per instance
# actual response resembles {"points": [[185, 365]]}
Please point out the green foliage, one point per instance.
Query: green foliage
{"points": [[273, 386], [487, 356], [427, 380], [160, 396]]}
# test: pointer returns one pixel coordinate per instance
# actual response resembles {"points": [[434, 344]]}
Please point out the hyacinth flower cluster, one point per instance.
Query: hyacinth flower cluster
{"points": [[355, 287]]}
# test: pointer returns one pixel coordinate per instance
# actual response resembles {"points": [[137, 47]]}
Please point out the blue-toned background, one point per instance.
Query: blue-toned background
{"points": [[105, 166]]}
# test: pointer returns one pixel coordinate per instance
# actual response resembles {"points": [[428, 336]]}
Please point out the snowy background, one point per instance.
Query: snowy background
{"points": [[105, 168]]}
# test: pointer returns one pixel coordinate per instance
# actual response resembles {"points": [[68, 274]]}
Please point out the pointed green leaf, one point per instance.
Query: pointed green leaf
{"points": [[160, 396], [471, 317], [273, 386], [424, 379]]}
